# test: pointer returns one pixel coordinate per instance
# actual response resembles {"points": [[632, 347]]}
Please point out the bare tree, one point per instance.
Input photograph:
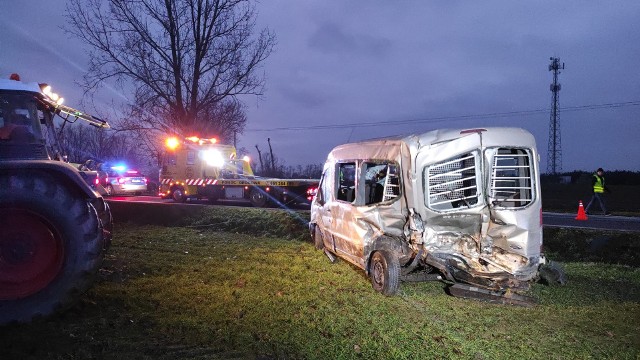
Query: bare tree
{"points": [[187, 60]]}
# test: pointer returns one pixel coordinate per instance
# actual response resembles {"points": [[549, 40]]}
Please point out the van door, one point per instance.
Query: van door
{"points": [[320, 211], [455, 213], [342, 212], [514, 200], [336, 213], [333, 207]]}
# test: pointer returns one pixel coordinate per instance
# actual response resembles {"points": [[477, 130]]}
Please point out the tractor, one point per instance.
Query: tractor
{"points": [[54, 226]]}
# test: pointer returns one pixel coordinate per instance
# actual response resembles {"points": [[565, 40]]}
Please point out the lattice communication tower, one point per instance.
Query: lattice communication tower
{"points": [[554, 152]]}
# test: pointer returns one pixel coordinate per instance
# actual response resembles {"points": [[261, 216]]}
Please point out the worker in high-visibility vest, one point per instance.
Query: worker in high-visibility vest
{"points": [[599, 188]]}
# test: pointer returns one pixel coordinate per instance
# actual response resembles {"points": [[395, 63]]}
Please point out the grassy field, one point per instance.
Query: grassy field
{"points": [[195, 293]]}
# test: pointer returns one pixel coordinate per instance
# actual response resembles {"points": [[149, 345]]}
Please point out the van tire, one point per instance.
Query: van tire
{"points": [[384, 270]]}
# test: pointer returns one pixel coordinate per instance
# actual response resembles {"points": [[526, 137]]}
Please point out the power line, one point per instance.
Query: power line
{"points": [[447, 118]]}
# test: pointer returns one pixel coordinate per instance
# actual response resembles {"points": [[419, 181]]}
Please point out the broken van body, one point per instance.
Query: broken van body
{"points": [[464, 204]]}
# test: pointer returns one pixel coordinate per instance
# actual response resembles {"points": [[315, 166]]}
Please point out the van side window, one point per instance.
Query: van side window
{"points": [[346, 182], [452, 183], [381, 182]]}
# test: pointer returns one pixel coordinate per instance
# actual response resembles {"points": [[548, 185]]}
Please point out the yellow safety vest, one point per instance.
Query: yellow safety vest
{"points": [[598, 187]]}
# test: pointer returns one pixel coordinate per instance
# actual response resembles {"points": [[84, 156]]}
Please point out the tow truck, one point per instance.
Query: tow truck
{"points": [[202, 168], [54, 227]]}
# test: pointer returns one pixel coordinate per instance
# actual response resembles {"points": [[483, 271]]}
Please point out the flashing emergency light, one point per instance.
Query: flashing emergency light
{"points": [[119, 168], [172, 143], [201, 141], [246, 158], [213, 158]]}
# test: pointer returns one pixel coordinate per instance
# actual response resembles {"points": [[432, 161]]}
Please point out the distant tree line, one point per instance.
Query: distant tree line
{"points": [[616, 177], [270, 165], [264, 166], [82, 143]]}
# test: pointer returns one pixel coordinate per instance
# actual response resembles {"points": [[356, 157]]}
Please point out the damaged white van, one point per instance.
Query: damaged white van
{"points": [[461, 206]]}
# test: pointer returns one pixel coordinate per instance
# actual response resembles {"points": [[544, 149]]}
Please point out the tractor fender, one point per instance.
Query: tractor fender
{"points": [[64, 173]]}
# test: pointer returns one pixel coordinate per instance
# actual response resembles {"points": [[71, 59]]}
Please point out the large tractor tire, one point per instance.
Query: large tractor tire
{"points": [[51, 246]]}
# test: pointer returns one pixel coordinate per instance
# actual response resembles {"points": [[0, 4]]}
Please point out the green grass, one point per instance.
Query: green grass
{"points": [[193, 293]]}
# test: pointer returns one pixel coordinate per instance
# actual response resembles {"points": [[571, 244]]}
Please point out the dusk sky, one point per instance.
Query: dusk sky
{"points": [[345, 71]]}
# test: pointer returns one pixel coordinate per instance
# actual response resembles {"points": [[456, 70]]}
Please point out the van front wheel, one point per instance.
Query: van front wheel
{"points": [[385, 272]]}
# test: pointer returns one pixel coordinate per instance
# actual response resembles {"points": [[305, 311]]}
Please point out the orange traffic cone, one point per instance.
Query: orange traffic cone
{"points": [[582, 215]]}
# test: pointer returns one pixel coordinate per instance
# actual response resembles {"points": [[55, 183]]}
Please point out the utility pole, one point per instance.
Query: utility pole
{"points": [[273, 164], [260, 158], [554, 149]]}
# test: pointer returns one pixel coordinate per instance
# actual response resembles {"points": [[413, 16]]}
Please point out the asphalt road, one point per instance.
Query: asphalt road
{"points": [[599, 222]]}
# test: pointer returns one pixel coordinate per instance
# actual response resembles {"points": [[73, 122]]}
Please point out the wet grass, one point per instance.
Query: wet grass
{"points": [[194, 293]]}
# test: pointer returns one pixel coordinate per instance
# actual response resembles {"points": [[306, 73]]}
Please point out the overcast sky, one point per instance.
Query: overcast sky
{"points": [[421, 64]]}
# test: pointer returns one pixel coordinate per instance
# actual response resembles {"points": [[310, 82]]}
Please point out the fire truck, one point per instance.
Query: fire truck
{"points": [[201, 168]]}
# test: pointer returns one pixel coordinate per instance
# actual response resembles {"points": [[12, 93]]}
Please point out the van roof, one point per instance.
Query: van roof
{"points": [[390, 147]]}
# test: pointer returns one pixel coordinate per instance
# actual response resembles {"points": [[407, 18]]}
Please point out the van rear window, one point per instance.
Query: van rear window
{"points": [[452, 183], [511, 183]]}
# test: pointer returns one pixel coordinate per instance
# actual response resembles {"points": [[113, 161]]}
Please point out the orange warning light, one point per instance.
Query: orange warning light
{"points": [[172, 143]]}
